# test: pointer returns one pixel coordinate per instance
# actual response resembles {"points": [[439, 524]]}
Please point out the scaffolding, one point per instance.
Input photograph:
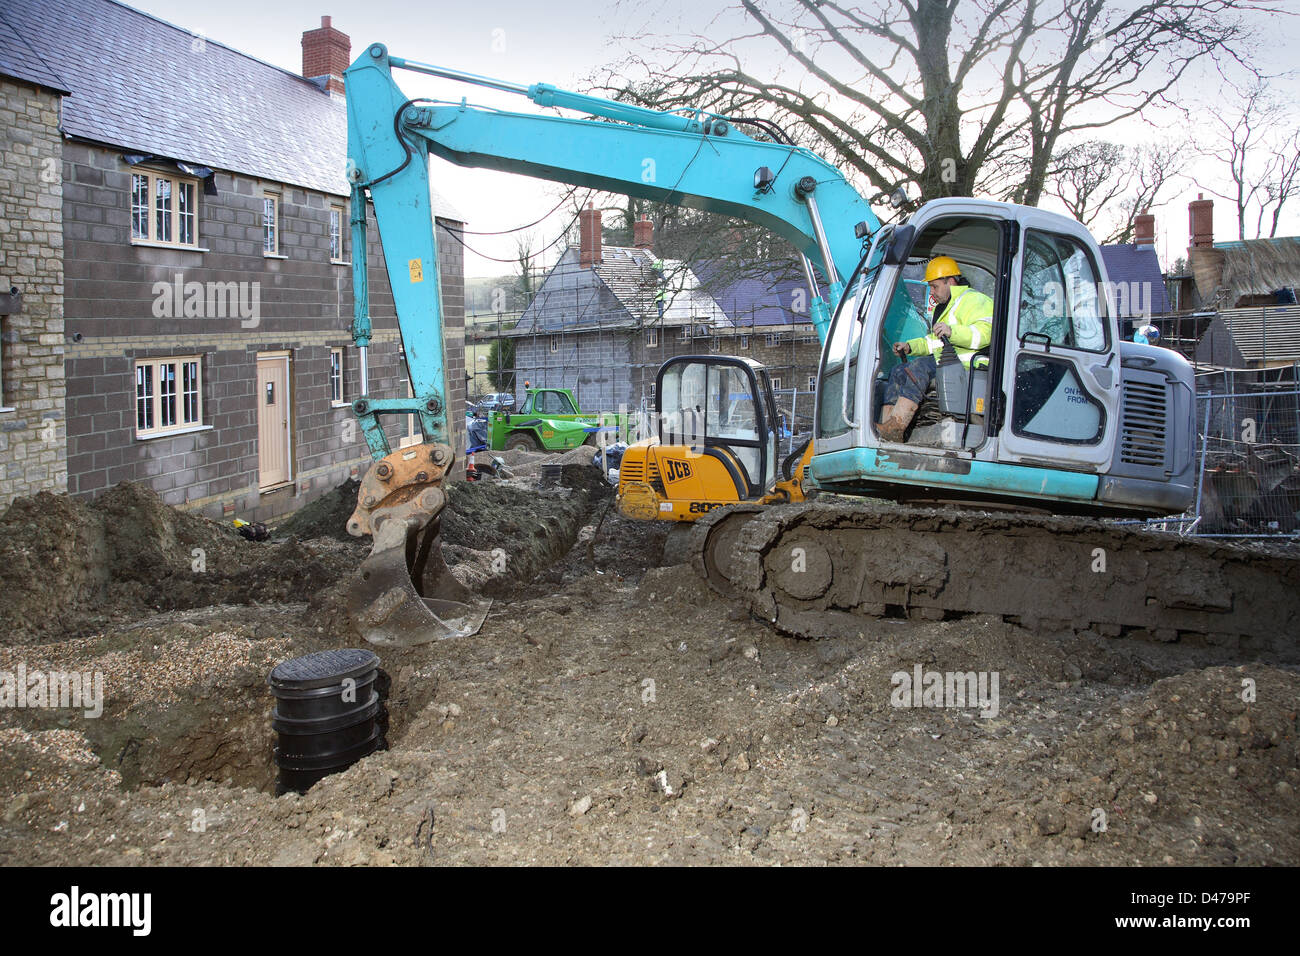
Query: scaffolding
{"points": [[556, 357]]}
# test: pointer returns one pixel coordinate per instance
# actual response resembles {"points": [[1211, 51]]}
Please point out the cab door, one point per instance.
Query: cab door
{"points": [[1061, 369]]}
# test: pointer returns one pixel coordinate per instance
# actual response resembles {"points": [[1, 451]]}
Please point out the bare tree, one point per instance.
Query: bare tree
{"points": [[1259, 144], [1104, 185], [946, 96]]}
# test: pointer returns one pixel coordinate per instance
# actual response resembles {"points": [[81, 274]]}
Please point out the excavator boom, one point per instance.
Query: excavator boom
{"points": [[404, 592]]}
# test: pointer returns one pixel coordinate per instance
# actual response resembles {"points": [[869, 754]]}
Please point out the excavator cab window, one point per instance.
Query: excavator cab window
{"points": [[837, 378], [1060, 306]]}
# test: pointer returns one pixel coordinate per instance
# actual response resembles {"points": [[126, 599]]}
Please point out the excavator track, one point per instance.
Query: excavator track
{"points": [[826, 569]]}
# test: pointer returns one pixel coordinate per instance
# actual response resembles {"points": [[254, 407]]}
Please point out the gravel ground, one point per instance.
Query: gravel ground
{"points": [[612, 710]]}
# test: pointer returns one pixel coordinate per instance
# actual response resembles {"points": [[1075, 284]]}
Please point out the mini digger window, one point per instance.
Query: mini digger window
{"points": [[716, 407]]}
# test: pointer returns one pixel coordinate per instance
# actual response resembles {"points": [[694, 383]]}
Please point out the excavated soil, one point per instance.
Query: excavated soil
{"points": [[610, 710]]}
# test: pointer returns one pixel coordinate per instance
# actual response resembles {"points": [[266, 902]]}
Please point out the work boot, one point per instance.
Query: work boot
{"points": [[893, 426]]}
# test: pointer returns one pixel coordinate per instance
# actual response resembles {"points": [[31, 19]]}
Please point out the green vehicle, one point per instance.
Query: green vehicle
{"points": [[549, 419]]}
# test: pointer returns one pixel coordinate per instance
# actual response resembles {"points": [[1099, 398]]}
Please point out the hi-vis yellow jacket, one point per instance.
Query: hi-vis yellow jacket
{"points": [[969, 313]]}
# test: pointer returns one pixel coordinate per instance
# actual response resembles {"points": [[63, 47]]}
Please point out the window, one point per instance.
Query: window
{"points": [[553, 403], [744, 341], [773, 340], [1051, 403], [1059, 295], [812, 383], [336, 376], [685, 334], [652, 338], [713, 344], [414, 434], [168, 395], [164, 209], [270, 224], [555, 343], [776, 383], [336, 233], [702, 331]]}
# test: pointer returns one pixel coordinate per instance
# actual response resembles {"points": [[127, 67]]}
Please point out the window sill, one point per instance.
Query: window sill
{"points": [[273, 255], [172, 434], [340, 262], [340, 404], [278, 486], [150, 244], [6, 408]]}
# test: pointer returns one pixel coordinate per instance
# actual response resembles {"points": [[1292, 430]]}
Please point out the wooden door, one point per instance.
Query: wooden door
{"points": [[273, 416]]}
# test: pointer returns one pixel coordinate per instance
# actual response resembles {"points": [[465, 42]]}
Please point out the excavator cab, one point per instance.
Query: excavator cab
{"points": [[720, 408], [1059, 413], [715, 440]]}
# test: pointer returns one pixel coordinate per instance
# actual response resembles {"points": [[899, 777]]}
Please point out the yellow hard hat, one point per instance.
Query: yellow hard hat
{"points": [[940, 267]]}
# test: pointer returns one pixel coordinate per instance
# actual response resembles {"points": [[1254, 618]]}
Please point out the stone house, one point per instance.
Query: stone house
{"points": [[186, 305]]}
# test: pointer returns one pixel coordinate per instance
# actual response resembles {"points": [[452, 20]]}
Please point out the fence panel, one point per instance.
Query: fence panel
{"points": [[1249, 461]]}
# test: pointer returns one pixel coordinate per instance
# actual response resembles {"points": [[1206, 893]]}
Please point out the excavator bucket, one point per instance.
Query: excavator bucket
{"points": [[404, 594]]}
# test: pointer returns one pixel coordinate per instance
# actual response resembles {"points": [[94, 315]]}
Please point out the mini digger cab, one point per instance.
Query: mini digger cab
{"points": [[717, 427], [1058, 416]]}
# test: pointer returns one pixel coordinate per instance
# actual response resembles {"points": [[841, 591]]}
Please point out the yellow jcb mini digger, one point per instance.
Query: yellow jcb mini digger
{"points": [[713, 442]]}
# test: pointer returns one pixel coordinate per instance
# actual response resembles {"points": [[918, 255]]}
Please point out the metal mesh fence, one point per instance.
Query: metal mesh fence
{"points": [[1249, 460]]}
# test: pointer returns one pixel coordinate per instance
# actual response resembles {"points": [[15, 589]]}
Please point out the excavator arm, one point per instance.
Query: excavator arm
{"points": [[404, 593]]}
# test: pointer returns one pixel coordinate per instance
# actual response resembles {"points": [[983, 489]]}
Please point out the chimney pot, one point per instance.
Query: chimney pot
{"points": [[326, 52]]}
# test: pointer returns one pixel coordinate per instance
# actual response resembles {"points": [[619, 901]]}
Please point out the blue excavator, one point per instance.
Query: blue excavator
{"points": [[1058, 422]]}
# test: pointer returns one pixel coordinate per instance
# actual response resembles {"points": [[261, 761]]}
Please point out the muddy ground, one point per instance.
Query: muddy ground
{"points": [[610, 710]]}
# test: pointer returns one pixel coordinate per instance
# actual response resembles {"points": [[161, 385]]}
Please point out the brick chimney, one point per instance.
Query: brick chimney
{"points": [[1144, 230], [589, 226], [1200, 214], [326, 52], [643, 233]]}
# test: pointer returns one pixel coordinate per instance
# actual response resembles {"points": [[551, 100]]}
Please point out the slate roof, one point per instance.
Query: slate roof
{"points": [[753, 301], [18, 59], [619, 291], [145, 85], [1136, 269], [1265, 333]]}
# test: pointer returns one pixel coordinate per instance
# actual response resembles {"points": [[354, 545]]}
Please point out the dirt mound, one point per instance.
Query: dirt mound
{"points": [[69, 567], [1190, 756], [530, 528], [67, 563], [54, 556], [326, 517], [56, 760]]}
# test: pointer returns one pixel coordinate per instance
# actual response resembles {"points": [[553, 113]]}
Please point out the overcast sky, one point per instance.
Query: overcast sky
{"points": [[561, 42]]}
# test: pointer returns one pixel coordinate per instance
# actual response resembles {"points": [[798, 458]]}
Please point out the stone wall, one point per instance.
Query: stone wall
{"points": [[32, 436]]}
